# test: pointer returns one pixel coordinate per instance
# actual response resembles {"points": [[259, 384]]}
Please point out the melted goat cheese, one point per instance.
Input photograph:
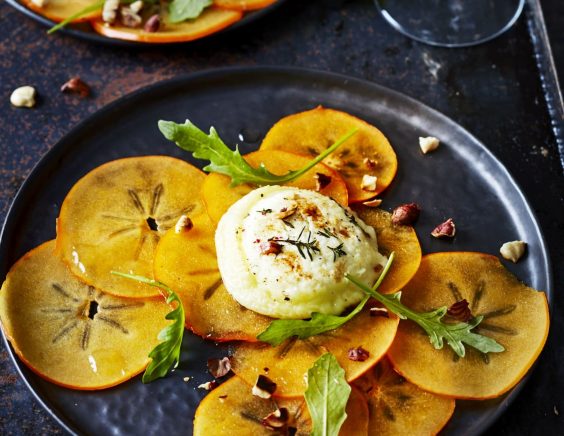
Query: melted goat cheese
{"points": [[284, 252]]}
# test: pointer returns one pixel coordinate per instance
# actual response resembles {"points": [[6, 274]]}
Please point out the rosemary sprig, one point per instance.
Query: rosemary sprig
{"points": [[326, 233], [264, 211], [309, 245], [337, 251]]}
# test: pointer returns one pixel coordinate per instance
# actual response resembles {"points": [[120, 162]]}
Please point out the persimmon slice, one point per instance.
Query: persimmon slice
{"points": [[368, 152], [243, 5], [186, 262], [218, 196], [515, 315], [60, 10], [399, 407], [400, 239], [114, 216], [73, 334], [233, 409], [212, 20], [287, 363]]}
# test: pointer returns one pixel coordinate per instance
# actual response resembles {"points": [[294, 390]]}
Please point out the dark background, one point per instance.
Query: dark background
{"points": [[493, 90]]}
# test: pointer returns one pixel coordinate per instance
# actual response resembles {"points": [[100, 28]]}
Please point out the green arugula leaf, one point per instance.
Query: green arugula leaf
{"points": [[165, 355], [281, 329], [327, 395], [455, 334], [223, 160], [182, 10], [87, 10]]}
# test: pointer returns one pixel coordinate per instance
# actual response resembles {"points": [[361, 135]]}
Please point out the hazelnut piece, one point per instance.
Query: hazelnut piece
{"points": [[321, 181], [368, 183], [184, 224], [358, 354], [406, 214], [153, 24], [270, 247], [513, 250], [375, 202], [76, 86], [219, 367], [208, 386], [428, 144], [460, 311], [445, 230], [24, 96], [277, 419], [264, 387]]}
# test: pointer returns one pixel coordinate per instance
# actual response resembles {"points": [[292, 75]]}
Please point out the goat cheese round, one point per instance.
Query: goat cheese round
{"points": [[284, 252]]}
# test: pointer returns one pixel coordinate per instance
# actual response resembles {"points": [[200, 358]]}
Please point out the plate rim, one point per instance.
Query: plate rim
{"points": [[57, 149], [249, 18]]}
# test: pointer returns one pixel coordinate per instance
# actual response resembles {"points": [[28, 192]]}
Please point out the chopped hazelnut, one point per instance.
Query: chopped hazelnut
{"points": [[321, 181], [109, 11], [406, 214], [270, 247], [375, 202], [208, 386], [287, 211], [129, 18], [219, 367], [428, 144], [368, 183], [184, 224], [187, 379], [445, 230], [76, 86], [153, 24], [513, 250], [379, 311], [369, 163], [358, 354], [264, 387], [460, 311], [277, 419], [40, 3], [136, 6], [24, 96]]}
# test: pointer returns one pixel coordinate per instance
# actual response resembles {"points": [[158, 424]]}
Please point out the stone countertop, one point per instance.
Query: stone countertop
{"points": [[493, 90]]}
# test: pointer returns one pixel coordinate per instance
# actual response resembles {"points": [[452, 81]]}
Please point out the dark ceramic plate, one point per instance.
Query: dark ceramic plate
{"points": [[462, 179], [84, 31]]}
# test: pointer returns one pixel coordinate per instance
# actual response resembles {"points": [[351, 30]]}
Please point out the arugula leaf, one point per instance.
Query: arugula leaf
{"points": [[327, 395], [182, 10], [281, 329], [88, 9], [223, 160], [165, 355], [455, 334]]}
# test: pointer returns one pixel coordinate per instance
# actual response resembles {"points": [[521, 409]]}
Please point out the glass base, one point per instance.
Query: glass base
{"points": [[451, 23]]}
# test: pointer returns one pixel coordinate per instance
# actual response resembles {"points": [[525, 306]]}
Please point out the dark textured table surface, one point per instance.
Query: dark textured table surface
{"points": [[493, 90]]}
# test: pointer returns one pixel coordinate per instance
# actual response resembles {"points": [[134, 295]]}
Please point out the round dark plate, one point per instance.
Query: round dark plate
{"points": [[462, 179], [84, 31]]}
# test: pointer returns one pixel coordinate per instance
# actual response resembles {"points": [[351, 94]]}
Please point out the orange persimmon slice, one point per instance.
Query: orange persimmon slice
{"points": [[398, 407], [113, 218], [70, 333], [368, 152], [211, 21], [218, 196], [243, 5], [186, 262], [515, 315], [400, 239], [60, 10], [287, 363], [233, 409]]}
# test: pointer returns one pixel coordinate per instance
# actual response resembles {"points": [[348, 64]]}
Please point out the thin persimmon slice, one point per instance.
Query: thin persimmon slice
{"points": [[73, 334], [287, 363], [113, 218], [397, 407], [368, 152], [233, 409], [186, 262], [211, 21], [60, 10], [218, 196], [402, 240], [243, 5], [515, 315]]}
